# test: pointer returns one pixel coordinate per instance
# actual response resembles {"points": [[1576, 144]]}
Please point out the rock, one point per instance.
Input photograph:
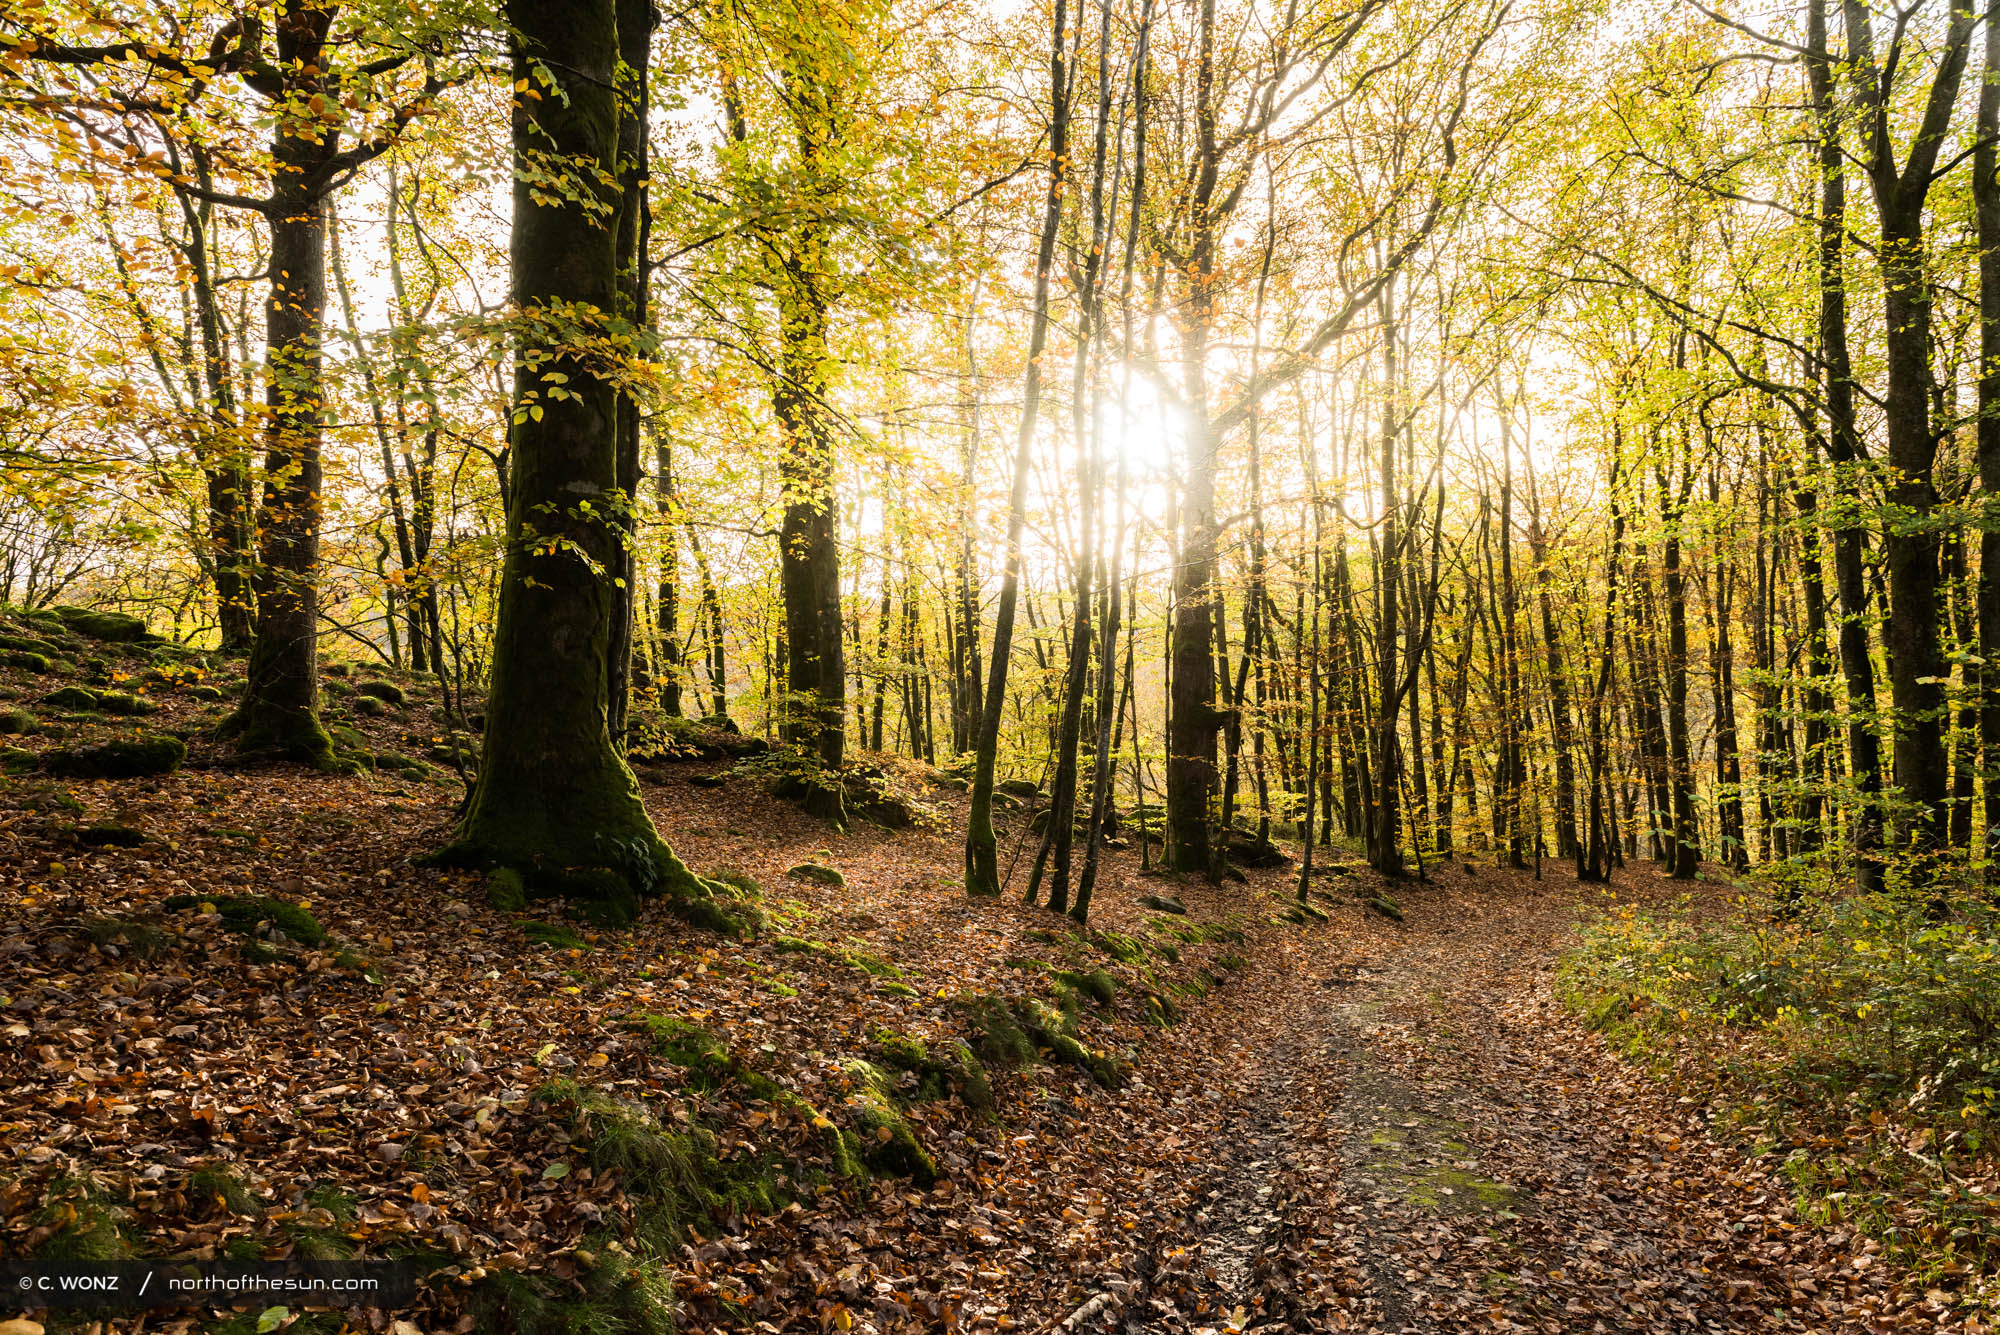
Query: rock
{"points": [[1386, 906], [1162, 904], [122, 759], [108, 835], [29, 661], [388, 692], [71, 697], [369, 706], [111, 627], [130, 706], [817, 872], [204, 692], [708, 780], [15, 722], [1247, 850], [1026, 789]]}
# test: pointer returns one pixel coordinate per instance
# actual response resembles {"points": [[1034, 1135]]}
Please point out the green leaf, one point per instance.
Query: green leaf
{"points": [[555, 1170], [271, 1318]]}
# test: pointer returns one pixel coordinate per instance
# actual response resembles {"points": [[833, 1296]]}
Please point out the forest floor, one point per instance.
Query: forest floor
{"points": [[1267, 1121]]}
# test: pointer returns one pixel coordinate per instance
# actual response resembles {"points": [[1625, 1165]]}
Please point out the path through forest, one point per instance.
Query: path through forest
{"points": [[1425, 1141]]}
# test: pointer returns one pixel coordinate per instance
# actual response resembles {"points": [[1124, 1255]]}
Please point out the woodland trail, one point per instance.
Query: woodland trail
{"points": [[1426, 1141]]}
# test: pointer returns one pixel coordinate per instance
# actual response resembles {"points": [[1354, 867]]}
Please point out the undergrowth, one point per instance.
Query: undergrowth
{"points": [[1856, 1040]]}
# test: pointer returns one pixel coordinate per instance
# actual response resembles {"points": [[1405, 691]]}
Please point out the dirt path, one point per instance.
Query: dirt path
{"points": [[1425, 1141]]}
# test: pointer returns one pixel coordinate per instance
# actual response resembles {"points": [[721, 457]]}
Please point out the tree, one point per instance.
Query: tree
{"points": [[554, 799]]}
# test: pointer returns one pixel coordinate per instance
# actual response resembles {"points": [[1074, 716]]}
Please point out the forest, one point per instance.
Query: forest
{"points": [[999, 665]]}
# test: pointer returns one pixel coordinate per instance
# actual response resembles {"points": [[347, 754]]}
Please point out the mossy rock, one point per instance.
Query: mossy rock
{"points": [[15, 722], [388, 692], [27, 661], [203, 691], [1026, 789], [338, 669], [246, 913], [819, 873], [1052, 1029], [28, 644], [401, 764], [111, 627], [126, 758], [1125, 949], [71, 697], [941, 1069], [353, 739], [996, 1035], [126, 705], [369, 706], [18, 759], [1386, 906], [1098, 985], [889, 1143], [109, 835]]}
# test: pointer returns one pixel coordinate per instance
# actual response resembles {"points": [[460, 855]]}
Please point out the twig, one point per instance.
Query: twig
{"points": [[1096, 1306]]}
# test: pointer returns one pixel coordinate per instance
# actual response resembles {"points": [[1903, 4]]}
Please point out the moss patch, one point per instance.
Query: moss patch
{"points": [[247, 913], [123, 759]]}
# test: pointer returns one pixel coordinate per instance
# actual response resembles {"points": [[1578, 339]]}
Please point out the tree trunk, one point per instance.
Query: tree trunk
{"points": [[554, 797]]}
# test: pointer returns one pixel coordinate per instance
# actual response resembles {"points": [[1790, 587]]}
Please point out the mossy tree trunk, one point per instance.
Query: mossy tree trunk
{"points": [[815, 712], [553, 795], [280, 709], [635, 41]]}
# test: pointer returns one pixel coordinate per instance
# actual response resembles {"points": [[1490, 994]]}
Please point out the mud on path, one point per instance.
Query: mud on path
{"points": [[1423, 1140]]}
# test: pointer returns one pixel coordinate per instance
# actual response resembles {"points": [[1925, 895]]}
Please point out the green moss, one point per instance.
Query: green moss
{"points": [[203, 691], [888, 1142], [554, 934], [996, 1035], [710, 1068], [218, 1187], [26, 661], [1098, 985], [71, 697], [27, 644], [369, 707], [111, 627], [88, 1225], [14, 722], [1052, 1029], [616, 1296], [247, 913], [819, 873], [1161, 1010], [126, 758], [1124, 949], [941, 1069], [388, 692], [126, 705], [110, 835], [506, 891], [1386, 906], [138, 937]]}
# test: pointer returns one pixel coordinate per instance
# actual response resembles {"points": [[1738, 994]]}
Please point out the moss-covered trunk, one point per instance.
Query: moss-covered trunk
{"points": [[809, 560], [280, 709], [554, 797]]}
